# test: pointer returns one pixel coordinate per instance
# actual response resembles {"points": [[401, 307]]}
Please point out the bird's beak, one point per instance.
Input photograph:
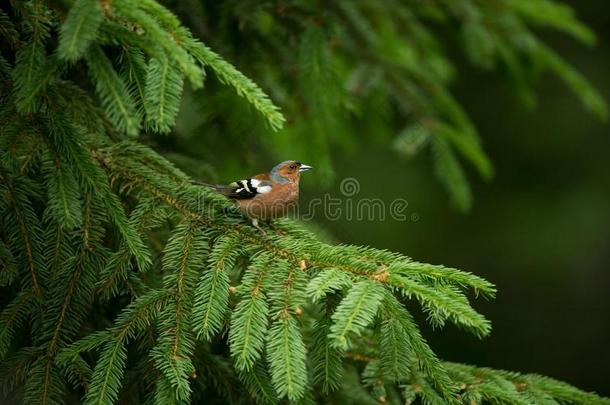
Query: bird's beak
{"points": [[304, 168]]}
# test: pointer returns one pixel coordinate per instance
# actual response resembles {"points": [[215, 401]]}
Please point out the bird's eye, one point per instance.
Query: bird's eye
{"points": [[293, 166]]}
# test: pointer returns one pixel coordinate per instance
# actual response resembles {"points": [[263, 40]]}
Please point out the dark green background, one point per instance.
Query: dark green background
{"points": [[540, 230]]}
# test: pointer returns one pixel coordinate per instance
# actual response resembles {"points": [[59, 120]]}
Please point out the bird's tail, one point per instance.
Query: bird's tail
{"points": [[219, 188]]}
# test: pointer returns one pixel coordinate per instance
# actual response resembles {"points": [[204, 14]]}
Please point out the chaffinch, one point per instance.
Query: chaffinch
{"points": [[267, 195]]}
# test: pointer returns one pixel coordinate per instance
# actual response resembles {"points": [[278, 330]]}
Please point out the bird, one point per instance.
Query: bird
{"points": [[266, 196]]}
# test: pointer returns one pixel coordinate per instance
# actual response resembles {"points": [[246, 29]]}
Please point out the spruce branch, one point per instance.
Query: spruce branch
{"points": [[113, 92], [327, 281], [327, 366], [286, 356], [64, 137], [163, 94], [25, 237], [355, 311], [107, 374], [63, 194], [32, 69], [212, 293], [486, 384], [11, 318], [247, 330], [14, 369], [545, 13], [168, 41], [258, 384], [244, 87], [125, 282], [8, 267], [79, 29], [182, 257], [251, 312]]}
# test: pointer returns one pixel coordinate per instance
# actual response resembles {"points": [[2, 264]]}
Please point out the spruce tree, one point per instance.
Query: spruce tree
{"points": [[124, 282]]}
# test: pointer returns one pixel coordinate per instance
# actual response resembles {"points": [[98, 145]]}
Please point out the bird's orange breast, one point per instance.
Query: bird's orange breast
{"points": [[277, 203]]}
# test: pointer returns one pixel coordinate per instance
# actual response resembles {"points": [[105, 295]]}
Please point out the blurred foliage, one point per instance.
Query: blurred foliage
{"points": [[350, 71]]}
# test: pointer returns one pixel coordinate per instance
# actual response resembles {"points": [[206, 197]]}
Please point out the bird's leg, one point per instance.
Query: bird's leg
{"points": [[275, 228], [255, 224]]}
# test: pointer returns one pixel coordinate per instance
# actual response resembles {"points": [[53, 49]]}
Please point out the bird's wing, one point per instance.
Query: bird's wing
{"points": [[262, 176], [245, 189]]}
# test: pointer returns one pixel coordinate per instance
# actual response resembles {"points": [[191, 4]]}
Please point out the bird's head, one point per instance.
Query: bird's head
{"points": [[289, 170]]}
